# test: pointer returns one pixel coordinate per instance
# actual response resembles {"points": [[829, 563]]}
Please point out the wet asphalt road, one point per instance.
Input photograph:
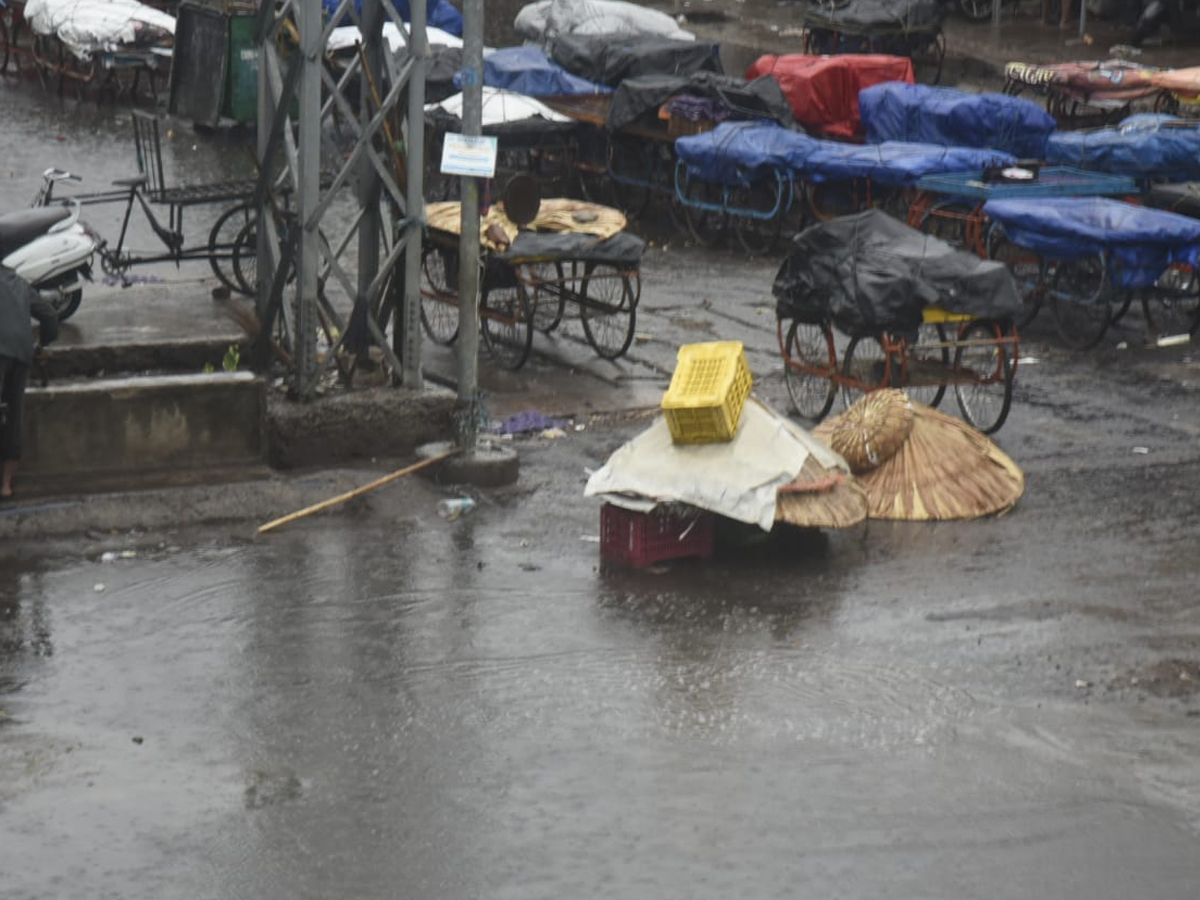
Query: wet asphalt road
{"points": [[379, 703]]}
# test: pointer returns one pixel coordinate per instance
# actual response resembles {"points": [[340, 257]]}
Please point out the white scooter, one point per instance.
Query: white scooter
{"points": [[49, 247]]}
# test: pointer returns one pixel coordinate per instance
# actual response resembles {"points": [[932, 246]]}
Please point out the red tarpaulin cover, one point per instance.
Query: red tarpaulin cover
{"points": [[823, 90]]}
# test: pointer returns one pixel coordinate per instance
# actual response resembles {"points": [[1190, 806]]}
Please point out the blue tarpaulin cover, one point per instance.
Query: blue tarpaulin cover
{"points": [[740, 152], [1144, 146], [1142, 242], [527, 70], [438, 14], [917, 112]]}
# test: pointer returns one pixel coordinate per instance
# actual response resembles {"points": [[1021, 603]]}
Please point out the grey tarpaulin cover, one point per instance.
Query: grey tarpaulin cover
{"points": [[610, 59], [622, 250], [761, 98], [869, 272]]}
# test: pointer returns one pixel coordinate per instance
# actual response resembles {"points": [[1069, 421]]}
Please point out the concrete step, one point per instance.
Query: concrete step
{"points": [[149, 429]]}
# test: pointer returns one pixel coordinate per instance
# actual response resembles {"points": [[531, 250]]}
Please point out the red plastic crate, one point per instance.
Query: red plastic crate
{"points": [[641, 539]]}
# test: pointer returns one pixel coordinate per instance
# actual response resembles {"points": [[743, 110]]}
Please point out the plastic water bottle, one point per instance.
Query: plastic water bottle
{"points": [[454, 507]]}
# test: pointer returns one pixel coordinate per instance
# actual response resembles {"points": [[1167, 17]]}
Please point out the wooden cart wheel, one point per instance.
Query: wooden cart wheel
{"points": [[609, 309], [439, 294], [507, 321], [983, 376], [809, 369]]}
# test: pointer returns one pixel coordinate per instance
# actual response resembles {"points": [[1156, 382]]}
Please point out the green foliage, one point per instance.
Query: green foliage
{"points": [[233, 358]]}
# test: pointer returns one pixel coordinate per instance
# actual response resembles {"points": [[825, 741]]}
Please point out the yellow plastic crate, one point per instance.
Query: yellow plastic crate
{"points": [[708, 390]]}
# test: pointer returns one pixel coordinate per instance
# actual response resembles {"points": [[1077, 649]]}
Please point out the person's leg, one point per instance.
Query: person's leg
{"points": [[12, 394]]}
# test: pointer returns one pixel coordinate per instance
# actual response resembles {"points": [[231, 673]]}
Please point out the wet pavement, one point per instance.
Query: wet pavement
{"points": [[375, 702]]}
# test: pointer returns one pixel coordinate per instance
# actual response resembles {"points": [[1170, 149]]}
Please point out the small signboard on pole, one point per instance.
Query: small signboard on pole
{"points": [[471, 156]]}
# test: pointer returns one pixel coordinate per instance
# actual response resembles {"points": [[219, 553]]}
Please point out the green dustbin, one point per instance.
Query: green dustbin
{"points": [[241, 71]]}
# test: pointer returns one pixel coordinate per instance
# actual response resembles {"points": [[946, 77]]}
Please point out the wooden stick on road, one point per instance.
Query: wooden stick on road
{"points": [[350, 495]]}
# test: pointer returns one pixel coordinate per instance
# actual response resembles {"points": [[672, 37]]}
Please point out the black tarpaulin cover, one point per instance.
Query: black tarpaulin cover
{"points": [[611, 59], [761, 98], [874, 16], [868, 273], [623, 250]]}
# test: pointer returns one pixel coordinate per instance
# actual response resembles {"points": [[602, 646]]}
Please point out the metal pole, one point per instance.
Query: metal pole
{"points": [[468, 273], [308, 200], [265, 120], [368, 177], [408, 320], [996, 4]]}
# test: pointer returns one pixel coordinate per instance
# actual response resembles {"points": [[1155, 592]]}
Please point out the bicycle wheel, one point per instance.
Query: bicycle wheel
{"points": [[982, 376], [759, 234], [545, 285], [1080, 296], [223, 241], [947, 221], [866, 367], [976, 10], [923, 377], [506, 322], [439, 294], [810, 347], [245, 259], [609, 309], [706, 225], [1172, 306], [1026, 267], [629, 168]]}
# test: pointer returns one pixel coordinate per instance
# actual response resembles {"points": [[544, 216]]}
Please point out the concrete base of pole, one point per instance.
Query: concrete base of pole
{"points": [[485, 466]]}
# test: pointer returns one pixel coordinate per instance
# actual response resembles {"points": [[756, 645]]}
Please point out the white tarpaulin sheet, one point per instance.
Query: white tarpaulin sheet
{"points": [[345, 37], [737, 479], [100, 26], [547, 19], [502, 106]]}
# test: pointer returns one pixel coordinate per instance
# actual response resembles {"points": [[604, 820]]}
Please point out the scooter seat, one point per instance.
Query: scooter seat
{"points": [[19, 228]]}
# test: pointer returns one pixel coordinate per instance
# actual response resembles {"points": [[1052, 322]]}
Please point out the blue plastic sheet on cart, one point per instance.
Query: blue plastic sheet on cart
{"points": [[1141, 242], [739, 153], [896, 163], [1144, 146], [895, 111], [527, 70], [438, 14]]}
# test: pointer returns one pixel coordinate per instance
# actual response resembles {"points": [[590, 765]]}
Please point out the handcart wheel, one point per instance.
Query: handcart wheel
{"points": [[507, 322], [810, 346], [245, 259], [439, 294], [923, 376], [866, 367], [1080, 296], [223, 241], [629, 168], [608, 299], [830, 199], [1172, 306], [545, 285], [1027, 269], [947, 220], [766, 202], [704, 211], [982, 375]]}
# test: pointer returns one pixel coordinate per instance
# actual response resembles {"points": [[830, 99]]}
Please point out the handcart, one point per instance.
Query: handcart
{"points": [[1148, 147], [865, 302], [753, 175], [1087, 92], [1104, 253], [951, 206], [911, 28], [570, 252]]}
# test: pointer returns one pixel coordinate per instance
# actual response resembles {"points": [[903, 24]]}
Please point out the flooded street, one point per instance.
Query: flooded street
{"points": [[376, 702]]}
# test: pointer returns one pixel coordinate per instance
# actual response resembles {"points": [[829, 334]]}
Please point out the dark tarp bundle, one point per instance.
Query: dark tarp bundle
{"points": [[739, 153], [873, 16], [896, 163], [623, 250], [1143, 146], [870, 273], [823, 90], [527, 70], [918, 112], [1141, 243], [611, 59], [444, 64], [1180, 198], [757, 99]]}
